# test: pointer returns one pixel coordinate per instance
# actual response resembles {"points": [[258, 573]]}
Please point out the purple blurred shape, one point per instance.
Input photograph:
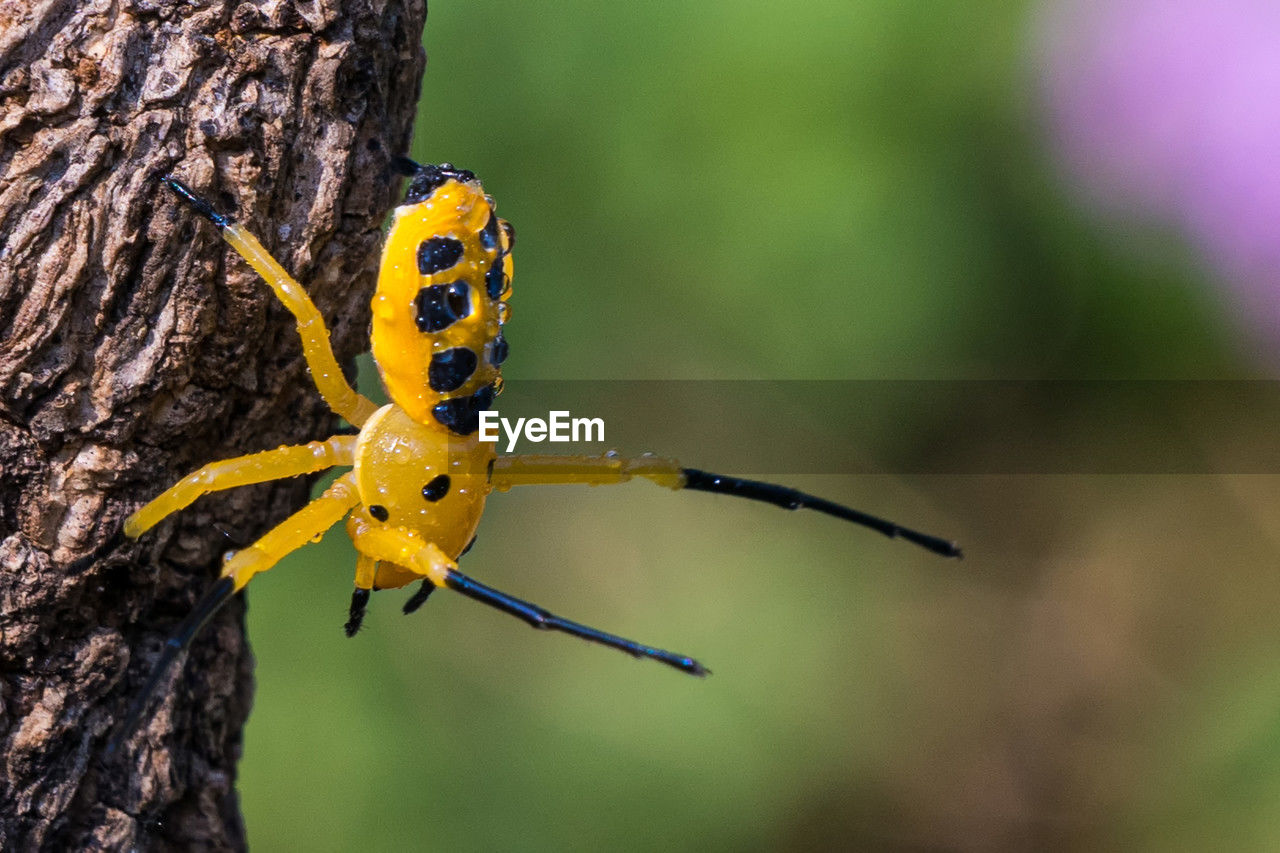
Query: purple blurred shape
{"points": [[1173, 107]]}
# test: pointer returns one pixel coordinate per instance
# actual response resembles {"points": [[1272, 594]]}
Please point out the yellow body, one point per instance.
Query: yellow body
{"points": [[457, 211], [419, 475], [395, 457], [400, 534]]}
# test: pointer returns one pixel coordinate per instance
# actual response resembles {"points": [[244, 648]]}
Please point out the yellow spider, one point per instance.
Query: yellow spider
{"points": [[419, 474]]}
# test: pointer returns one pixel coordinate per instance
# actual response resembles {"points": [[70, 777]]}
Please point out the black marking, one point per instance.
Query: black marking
{"points": [[499, 351], [489, 234], [541, 619], [379, 512], [437, 488], [449, 370], [468, 548], [420, 597], [427, 179], [792, 499], [203, 207], [511, 236], [462, 414], [495, 280], [438, 254], [441, 305], [355, 616]]}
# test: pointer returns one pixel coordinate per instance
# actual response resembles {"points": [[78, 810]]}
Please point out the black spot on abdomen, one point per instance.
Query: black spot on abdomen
{"points": [[450, 370], [499, 351], [438, 254], [379, 512], [462, 414], [441, 305], [489, 234], [495, 280], [437, 488]]}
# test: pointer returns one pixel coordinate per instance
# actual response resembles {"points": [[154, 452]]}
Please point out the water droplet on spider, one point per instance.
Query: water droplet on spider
{"points": [[504, 312], [611, 454], [315, 539], [228, 555], [648, 454]]}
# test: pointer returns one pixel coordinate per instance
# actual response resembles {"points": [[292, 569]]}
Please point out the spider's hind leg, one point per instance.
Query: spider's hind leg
{"points": [[287, 536]]}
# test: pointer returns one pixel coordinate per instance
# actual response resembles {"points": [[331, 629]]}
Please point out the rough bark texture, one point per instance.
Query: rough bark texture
{"points": [[134, 347]]}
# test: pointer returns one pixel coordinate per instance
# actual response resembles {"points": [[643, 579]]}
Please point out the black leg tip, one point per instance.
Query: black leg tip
{"points": [[692, 667], [203, 207], [937, 545], [420, 597], [359, 600], [82, 564]]}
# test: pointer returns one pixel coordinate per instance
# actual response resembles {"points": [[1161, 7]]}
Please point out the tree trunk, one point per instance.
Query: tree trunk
{"points": [[135, 347]]}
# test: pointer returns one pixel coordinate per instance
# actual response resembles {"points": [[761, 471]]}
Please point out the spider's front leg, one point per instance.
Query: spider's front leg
{"points": [[398, 546], [325, 372]]}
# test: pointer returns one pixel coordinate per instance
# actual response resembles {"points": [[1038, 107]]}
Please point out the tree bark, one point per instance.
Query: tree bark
{"points": [[135, 347]]}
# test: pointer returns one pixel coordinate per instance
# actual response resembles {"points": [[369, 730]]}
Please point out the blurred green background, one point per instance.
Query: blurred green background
{"points": [[815, 190]]}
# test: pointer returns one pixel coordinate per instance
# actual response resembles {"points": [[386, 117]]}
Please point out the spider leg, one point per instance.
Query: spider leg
{"points": [[537, 470], [242, 471], [366, 570], [325, 372], [545, 621], [420, 597], [295, 531], [424, 558], [292, 533]]}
